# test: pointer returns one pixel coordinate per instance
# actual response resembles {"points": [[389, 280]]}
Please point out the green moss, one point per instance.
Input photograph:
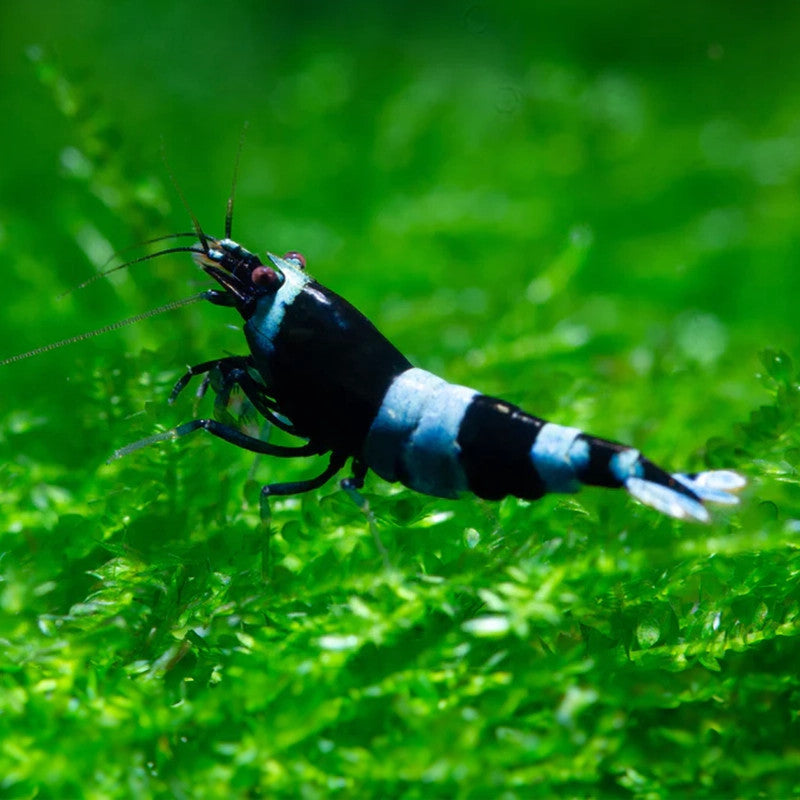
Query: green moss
{"points": [[561, 209]]}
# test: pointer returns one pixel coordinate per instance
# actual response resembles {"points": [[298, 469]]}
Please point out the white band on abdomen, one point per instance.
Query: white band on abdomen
{"points": [[415, 433], [556, 454]]}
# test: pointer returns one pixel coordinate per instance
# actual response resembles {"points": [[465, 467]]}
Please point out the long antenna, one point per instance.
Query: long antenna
{"points": [[106, 329], [104, 272], [195, 222], [229, 209], [198, 232]]}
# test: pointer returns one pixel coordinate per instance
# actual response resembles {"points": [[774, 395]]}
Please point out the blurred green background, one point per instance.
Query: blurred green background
{"points": [[588, 209]]}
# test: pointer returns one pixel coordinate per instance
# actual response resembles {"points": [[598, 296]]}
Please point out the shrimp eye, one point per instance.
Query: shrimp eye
{"points": [[265, 277], [296, 259]]}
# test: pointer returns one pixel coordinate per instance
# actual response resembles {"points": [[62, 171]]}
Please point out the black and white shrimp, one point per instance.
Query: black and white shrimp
{"points": [[320, 370]]}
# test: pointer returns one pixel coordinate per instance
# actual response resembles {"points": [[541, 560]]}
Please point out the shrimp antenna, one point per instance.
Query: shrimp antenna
{"points": [[195, 222], [229, 208], [104, 272], [148, 257], [105, 329]]}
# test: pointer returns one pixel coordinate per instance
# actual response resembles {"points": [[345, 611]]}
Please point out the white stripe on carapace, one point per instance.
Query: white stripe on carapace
{"points": [[557, 454], [266, 321], [414, 436]]}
